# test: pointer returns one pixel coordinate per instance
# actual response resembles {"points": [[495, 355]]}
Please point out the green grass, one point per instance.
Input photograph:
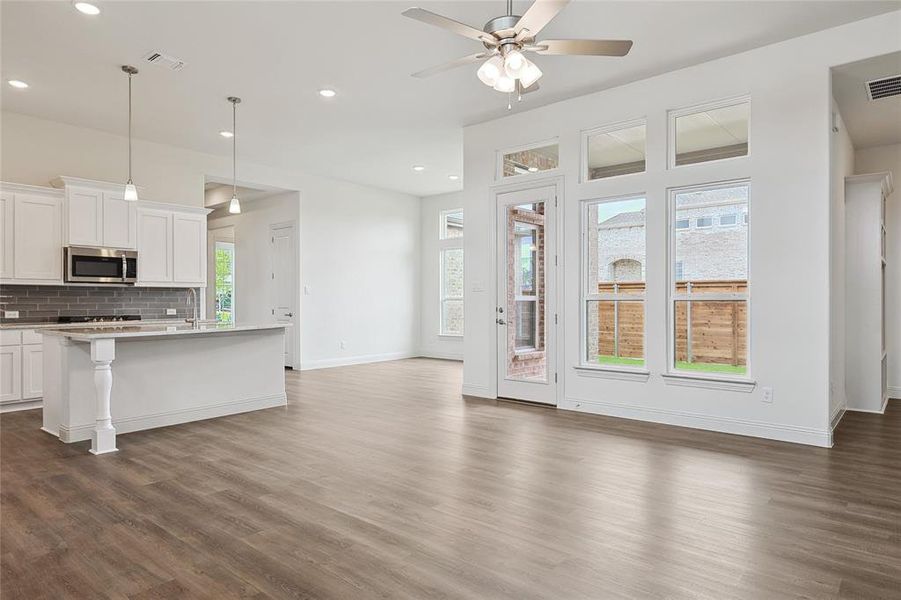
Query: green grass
{"points": [[621, 361], [710, 368]]}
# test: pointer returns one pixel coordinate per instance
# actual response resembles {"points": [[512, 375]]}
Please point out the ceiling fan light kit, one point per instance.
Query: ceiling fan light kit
{"points": [[507, 38]]}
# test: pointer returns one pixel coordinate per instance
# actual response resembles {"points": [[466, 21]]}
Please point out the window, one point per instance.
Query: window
{"points": [[613, 258], [451, 224], [451, 271], [683, 223], [728, 220], [529, 160], [713, 132], [704, 222], [614, 150], [709, 283], [225, 282]]}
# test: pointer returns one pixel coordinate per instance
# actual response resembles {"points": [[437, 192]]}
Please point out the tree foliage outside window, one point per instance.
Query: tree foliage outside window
{"points": [[225, 282]]}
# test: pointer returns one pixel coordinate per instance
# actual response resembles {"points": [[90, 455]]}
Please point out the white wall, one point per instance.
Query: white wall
{"points": [[789, 84], [841, 165], [431, 343], [873, 160], [359, 246]]}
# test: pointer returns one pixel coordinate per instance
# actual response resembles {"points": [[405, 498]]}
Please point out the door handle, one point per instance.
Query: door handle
{"points": [[289, 314], [501, 322]]}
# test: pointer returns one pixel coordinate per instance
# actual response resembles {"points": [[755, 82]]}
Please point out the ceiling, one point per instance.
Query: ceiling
{"points": [[869, 122], [276, 55]]}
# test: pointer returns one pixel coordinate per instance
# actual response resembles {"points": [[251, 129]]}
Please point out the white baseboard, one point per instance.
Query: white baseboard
{"points": [[354, 360], [478, 391], [441, 354], [894, 391], [80, 433], [17, 406], [836, 417], [880, 411], [785, 433]]}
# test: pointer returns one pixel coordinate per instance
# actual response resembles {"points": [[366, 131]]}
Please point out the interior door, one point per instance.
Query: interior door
{"points": [[526, 291], [284, 283]]}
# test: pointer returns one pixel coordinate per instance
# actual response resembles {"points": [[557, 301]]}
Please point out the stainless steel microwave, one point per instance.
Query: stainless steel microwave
{"points": [[100, 265]]}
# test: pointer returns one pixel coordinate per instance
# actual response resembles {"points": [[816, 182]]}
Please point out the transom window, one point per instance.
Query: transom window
{"points": [[613, 150], [712, 132], [529, 160]]}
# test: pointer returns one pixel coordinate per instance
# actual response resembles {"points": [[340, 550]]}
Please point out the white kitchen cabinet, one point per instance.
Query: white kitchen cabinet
{"points": [[10, 374], [84, 215], [6, 231], [189, 242], [154, 246], [37, 238], [119, 221], [32, 371]]}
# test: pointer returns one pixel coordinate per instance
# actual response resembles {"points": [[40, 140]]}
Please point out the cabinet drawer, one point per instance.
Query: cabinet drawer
{"points": [[31, 336], [10, 337]]}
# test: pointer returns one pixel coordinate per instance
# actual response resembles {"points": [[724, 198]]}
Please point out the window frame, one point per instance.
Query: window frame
{"points": [[531, 298], [501, 152], [587, 133], [673, 297], [674, 114], [445, 244], [585, 297]]}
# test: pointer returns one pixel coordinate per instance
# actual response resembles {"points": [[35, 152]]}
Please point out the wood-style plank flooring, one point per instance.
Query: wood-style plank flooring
{"points": [[381, 481]]}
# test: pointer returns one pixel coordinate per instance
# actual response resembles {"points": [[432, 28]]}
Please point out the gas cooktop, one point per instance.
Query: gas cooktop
{"points": [[99, 319]]}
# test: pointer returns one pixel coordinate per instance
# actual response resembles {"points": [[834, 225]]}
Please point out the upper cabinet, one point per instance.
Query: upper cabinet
{"points": [[97, 214], [30, 235], [171, 247]]}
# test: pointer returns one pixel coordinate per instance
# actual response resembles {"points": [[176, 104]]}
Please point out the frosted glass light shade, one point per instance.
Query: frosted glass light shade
{"points": [[530, 74], [505, 84], [131, 192], [234, 207], [514, 64], [490, 70]]}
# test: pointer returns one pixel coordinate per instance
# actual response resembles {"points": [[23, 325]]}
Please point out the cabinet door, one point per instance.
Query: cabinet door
{"points": [[119, 221], [154, 246], [32, 371], [37, 238], [10, 373], [84, 214], [190, 248], [6, 235]]}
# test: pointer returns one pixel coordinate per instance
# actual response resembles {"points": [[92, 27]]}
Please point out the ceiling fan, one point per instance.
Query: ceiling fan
{"points": [[507, 38]]}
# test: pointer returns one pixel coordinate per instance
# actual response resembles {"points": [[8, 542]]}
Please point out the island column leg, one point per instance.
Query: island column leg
{"points": [[103, 438]]}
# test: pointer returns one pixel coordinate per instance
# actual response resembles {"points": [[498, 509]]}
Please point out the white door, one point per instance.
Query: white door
{"points": [[526, 292], [37, 237], [284, 283], [154, 246]]}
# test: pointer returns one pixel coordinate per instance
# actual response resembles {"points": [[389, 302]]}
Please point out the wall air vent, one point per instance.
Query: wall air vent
{"points": [[163, 60], [884, 88]]}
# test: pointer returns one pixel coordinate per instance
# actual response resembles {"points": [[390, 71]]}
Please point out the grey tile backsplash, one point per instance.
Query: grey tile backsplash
{"points": [[45, 303]]}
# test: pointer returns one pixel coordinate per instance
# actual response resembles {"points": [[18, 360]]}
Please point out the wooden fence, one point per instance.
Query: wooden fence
{"points": [[706, 331]]}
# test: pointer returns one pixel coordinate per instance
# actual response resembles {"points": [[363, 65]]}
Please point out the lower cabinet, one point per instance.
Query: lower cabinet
{"points": [[10, 374], [32, 371], [21, 367]]}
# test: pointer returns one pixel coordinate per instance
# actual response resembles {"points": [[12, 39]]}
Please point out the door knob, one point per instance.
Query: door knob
{"points": [[501, 322], [289, 314]]}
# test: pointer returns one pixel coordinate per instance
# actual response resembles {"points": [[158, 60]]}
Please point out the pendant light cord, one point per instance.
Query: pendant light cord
{"points": [[234, 150], [509, 8], [129, 127]]}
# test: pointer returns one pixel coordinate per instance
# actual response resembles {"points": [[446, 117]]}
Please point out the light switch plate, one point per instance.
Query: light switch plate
{"points": [[171, 311], [10, 314]]}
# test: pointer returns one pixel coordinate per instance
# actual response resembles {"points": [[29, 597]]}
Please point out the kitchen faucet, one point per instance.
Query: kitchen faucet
{"points": [[192, 300]]}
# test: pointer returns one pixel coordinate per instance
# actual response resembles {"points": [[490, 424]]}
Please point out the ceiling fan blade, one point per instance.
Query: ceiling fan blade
{"points": [[532, 88], [425, 16], [583, 47], [465, 60], [539, 14]]}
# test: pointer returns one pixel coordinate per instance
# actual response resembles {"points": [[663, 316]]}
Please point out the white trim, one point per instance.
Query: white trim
{"points": [[623, 374], [478, 391], [587, 133], [682, 378], [441, 354], [759, 429], [328, 363], [499, 160], [836, 416], [880, 411], [9, 186], [672, 115], [79, 433], [21, 405], [894, 392]]}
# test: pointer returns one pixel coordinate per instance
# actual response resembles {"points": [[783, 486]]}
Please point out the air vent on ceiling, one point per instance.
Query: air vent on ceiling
{"points": [[164, 60], [884, 88]]}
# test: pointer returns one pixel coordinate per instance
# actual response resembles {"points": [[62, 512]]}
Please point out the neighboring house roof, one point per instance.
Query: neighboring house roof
{"points": [[629, 219]]}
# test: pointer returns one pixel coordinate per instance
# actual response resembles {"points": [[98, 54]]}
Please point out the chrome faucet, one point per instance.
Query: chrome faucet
{"points": [[192, 300]]}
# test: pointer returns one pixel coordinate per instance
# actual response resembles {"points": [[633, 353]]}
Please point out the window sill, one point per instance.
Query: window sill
{"points": [[452, 336], [622, 374], [712, 383]]}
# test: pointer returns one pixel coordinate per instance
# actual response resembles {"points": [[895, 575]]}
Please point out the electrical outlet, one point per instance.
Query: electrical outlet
{"points": [[171, 312], [306, 290], [342, 344], [11, 314], [768, 395]]}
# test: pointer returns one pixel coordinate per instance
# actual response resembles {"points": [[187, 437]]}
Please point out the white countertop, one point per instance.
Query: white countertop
{"points": [[87, 334]]}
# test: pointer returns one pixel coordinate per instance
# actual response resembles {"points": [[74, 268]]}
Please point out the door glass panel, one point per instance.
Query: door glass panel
{"points": [[525, 302], [225, 282]]}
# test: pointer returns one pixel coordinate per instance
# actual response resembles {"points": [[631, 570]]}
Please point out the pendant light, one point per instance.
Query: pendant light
{"points": [[131, 192], [234, 207]]}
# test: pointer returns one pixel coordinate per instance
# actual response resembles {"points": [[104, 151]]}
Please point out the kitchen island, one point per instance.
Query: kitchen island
{"points": [[107, 380]]}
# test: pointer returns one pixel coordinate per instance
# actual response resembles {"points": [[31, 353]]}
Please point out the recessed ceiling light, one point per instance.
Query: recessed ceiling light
{"points": [[226, 134], [87, 8], [418, 168], [18, 84], [453, 177], [327, 93], [533, 169]]}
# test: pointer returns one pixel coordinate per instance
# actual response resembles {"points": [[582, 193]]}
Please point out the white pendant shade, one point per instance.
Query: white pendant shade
{"points": [[530, 74], [131, 192], [505, 84], [490, 70], [514, 64], [234, 207]]}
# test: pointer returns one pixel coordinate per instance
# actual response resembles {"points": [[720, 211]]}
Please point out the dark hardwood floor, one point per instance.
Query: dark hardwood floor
{"points": [[380, 481]]}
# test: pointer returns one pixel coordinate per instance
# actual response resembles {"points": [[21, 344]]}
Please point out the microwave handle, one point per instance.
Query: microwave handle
{"points": [[124, 268]]}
